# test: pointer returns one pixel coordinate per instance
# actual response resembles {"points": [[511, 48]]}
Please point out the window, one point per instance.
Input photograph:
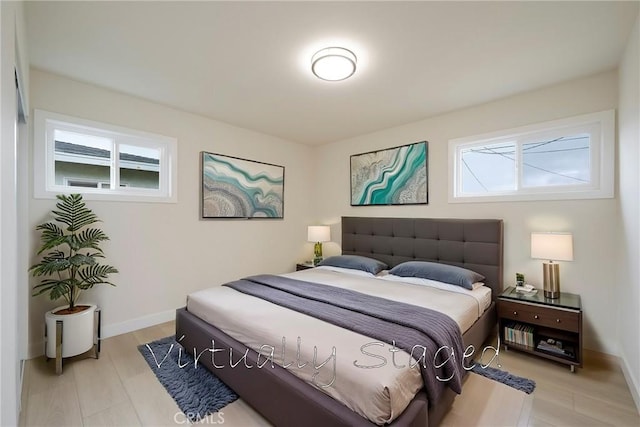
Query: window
{"points": [[103, 162], [564, 159]]}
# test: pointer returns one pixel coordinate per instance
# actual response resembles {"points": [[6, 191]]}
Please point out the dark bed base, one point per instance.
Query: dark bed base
{"points": [[278, 395], [284, 399]]}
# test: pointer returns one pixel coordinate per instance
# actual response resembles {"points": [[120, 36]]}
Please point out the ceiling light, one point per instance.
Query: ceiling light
{"points": [[333, 63]]}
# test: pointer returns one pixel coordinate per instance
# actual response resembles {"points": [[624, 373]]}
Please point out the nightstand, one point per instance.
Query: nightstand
{"points": [[304, 266], [548, 328]]}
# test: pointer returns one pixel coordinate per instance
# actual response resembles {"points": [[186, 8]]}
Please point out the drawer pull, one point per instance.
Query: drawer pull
{"points": [[557, 320], [536, 317], [515, 313]]}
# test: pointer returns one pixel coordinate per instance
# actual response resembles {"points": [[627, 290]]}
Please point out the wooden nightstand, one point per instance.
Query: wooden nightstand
{"points": [[304, 266], [548, 328]]}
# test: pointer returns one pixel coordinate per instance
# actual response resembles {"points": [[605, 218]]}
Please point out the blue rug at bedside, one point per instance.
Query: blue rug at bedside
{"points": [[519, 383], [197, 391]]}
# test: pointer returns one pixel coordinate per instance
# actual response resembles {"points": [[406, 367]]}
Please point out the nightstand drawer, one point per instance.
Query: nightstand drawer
{"points": [[538, 315]]}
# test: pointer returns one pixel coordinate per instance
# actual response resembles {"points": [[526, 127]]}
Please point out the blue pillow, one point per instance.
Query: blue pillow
{"points": [[441, 272], [355, 262]]}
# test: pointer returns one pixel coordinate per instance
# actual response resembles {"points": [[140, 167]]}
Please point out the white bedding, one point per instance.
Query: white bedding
{"points": [[379, 393]]}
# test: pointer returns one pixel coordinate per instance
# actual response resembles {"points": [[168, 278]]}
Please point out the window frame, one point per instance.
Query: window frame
{"points": [[45, 187], [99, 184], [600, 126]]}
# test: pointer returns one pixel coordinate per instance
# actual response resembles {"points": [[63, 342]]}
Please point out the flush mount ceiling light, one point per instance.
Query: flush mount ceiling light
{"points": [[333, 63]]}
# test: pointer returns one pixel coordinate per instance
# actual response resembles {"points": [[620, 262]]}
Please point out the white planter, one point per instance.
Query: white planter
{"points": [[77, 331]]}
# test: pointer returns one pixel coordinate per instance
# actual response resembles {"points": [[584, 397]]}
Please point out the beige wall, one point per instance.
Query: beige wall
{"points": [[164, 251], [628, 290], [592, 274]]}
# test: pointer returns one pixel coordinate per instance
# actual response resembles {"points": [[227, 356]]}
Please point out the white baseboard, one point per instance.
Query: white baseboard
{"points": [[632, 382], [36, 349], [137, 323]]}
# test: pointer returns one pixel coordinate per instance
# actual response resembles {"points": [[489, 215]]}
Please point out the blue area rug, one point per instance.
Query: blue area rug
{"points": [[197, 391], [519, 383]]}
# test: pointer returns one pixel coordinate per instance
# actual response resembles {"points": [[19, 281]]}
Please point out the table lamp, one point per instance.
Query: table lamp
{"points": [[318, 234], [552, 247]]}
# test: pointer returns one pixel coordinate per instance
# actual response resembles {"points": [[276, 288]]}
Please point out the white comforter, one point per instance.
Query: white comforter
{"points": [[367, 376]]}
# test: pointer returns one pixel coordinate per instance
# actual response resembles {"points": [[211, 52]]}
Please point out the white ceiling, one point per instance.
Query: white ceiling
{"points": [[248, 63]]}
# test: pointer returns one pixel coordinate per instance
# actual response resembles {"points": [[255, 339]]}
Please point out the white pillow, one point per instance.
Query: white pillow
{"points": [[431, 283], [346, 270]]}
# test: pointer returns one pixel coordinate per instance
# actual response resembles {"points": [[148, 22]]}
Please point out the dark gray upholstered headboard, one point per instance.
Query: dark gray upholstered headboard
{"points": [[475, 244]]}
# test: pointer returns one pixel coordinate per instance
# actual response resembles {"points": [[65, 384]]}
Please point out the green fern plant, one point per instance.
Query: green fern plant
{"points": [[72, 247]]}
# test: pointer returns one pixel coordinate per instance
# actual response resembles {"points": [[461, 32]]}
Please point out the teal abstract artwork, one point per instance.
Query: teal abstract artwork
{"points": [[239, 188], [395, 176]]}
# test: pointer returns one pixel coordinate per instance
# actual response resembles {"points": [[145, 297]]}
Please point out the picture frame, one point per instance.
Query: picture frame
{"points": [[392, 176], [232, 187]]}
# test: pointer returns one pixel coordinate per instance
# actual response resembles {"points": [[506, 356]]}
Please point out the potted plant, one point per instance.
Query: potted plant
{"points": [[70, 266]]}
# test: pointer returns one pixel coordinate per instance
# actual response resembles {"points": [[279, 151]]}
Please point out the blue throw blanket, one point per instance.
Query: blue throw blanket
{"points": [[389, 321]]}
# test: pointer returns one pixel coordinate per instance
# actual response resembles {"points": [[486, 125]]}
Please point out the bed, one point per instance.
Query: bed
{"points": [[285, 399]]}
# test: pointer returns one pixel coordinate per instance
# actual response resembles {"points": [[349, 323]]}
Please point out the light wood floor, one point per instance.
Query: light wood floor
{"points": [[119, 389]]}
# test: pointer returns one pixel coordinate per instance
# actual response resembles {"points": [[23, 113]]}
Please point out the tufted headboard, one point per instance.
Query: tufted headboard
{"points": [[475, 244]]}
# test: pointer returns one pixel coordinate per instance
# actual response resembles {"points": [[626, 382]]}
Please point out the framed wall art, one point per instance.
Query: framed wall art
{"points": [[240, 188], [393, 176]]}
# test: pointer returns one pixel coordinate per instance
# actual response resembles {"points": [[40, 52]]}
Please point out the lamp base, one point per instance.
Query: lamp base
{"points": [[317, 253], [551, 274], [551, 295]]}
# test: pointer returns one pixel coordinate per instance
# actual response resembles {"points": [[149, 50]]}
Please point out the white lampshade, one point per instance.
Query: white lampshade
{"points": [[333, 63], [552, 246], [319, 233]]}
